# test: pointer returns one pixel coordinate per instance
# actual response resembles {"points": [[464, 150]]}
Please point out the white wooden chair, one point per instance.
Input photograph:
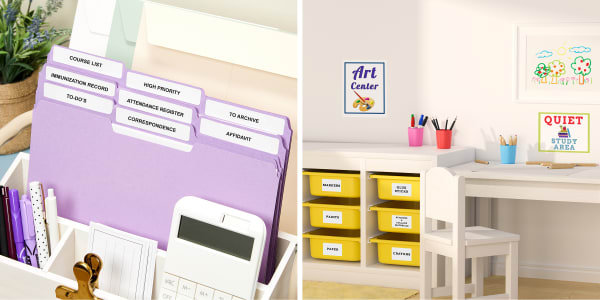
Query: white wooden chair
{"points": [[444, 200]]}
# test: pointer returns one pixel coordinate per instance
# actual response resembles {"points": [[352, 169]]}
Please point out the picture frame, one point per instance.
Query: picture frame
{"points": [[364, 88]]}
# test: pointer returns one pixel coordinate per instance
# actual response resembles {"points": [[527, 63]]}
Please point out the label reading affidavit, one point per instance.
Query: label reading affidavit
{"points": [[331, 185], [77, 98], [153, 124], [88, 62], [403, 254], [164, 88], [399, 221], [332, 217], [401, 189], [239, 136], [80, 81], [155, 106], [244, 117], [330, 249]]}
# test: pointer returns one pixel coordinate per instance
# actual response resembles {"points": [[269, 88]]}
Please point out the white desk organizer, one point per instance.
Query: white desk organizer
{"points": [[18, 280]]}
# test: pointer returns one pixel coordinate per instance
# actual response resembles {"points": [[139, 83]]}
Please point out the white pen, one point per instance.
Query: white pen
{"points": [[51, 219], [36, 193]]}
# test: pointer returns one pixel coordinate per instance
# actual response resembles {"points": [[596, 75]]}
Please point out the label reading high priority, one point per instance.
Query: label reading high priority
{"points": [[330, 249], [332, 217], [402, 189], [164, 88], [331, 185], [87, 62], [402, 254]]}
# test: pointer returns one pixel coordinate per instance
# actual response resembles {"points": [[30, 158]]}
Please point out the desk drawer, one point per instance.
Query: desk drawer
{"points": [[398, 249], [391, 187], [329, 184], [398, 216], [334, 244], [330, 212]]}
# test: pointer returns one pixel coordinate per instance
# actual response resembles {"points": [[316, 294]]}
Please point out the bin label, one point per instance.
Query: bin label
{"points": [[401, 189], [331, 185], [401, 221], [330, 249], [332, 217], [403, 254]]}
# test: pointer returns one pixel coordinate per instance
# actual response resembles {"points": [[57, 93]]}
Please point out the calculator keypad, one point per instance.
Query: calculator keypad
{"points": [[177, 288]]}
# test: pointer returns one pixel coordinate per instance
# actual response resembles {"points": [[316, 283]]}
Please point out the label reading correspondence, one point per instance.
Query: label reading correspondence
{"points": [[332, 217], [331, 185], [403, 254], [239, 136], [80, 81], [164, 88], [244, 117], [330, 249], [153, 124], [404, 222], [402, 189], [77, 98], [155, 106], [87, 62]]}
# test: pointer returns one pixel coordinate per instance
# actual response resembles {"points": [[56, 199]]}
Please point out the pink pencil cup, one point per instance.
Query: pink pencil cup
{"points": [[444, 138], [415, 136]]}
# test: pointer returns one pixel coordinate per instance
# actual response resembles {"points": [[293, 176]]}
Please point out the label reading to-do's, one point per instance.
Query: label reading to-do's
{"points": [[244, 117], [404, 222], [331, 185], [87, 62], [80, 81], [401, 189], [332, 217], [330, 249], [153, 124], [155, 106], [403, 254], [77, 98], [239, 136], [164, 88]]}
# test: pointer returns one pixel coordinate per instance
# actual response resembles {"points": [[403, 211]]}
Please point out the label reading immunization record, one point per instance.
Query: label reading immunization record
{"points": [[80, 81]]}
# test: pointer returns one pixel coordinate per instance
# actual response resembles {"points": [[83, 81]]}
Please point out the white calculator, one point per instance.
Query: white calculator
{"points": [[214, 252]]}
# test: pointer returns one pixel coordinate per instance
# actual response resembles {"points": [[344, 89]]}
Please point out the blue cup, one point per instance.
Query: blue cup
{"points": [[508, 154]]}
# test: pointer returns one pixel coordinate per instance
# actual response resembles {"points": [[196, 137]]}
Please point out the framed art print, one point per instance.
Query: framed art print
{"points": [[364, 88]]}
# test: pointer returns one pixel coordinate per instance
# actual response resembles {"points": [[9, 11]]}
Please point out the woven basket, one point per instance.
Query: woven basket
{"points": [[15, 99]]}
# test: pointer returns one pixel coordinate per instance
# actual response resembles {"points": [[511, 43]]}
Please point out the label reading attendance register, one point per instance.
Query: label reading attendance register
{"points": [[155, 106], [239, 136], [164, 88], [80, 81], [332, 249], [153, 124], [331, 185], [87, 62], [245, 117], [77, 98], [401, 189], [332, 217], [403, 254], [401, 221]]}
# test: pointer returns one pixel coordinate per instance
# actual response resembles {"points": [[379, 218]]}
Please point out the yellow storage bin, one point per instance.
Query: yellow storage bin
{"points": [[335, 244], [330, 212], [398, 216], [391, 187], [345, 185], [398, 249]]}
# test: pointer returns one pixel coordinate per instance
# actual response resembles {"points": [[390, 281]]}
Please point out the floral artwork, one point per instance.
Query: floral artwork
{"points": [[576, 72]]}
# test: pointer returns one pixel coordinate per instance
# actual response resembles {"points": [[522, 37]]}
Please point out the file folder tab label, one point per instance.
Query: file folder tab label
{"points": [[155, 106], [78, 98], [169, 89], [87, 62], [244, 117], [153, 124], [80, 81], [239, 136]]}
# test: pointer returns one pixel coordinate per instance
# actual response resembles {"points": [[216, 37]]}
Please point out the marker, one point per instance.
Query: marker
{"points": [[452, 126], [17, 224], [36, 192], [28, 231], [12, 250], [421, 120], [412, 120], [425, 121]]}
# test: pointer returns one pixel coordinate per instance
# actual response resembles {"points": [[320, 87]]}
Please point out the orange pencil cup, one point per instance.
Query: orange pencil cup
{"points": [[415, 136], [444, 138]]}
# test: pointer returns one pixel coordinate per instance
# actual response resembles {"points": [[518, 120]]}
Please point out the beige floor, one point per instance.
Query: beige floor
{"points": [[529, 288]]}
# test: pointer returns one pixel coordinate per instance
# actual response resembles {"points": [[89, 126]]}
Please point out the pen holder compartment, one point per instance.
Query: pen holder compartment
{"points": [[443, 138], [508, 154], [415, 136]]}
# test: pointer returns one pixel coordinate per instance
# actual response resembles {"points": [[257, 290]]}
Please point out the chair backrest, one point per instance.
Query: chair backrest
{"points": [[444, 196]]}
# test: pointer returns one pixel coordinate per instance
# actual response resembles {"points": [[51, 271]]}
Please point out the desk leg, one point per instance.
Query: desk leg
{"points": [[483, 217]]}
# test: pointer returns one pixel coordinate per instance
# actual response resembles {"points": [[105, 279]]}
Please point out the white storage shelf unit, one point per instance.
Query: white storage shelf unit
{"points": [[18, 280], [368, 159]]}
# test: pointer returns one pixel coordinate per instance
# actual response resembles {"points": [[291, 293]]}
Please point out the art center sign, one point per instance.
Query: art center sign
{"points": [[364, 88]]}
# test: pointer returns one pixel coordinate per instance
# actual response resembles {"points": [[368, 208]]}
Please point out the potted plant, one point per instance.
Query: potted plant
{"points": [[25, 40]]}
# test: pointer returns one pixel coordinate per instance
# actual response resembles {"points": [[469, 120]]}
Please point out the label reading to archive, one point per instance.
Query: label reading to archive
{"points": [[330, 249], [332, 217], [401, 221], [77, 98], [80, 81], [403, 254], [331, 185], [239, 136], [164, 88], [155, 106], [87, 62], [153, 124], [401, 189], [244, 117]]}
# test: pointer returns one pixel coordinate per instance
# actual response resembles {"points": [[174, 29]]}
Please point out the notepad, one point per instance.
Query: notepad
{"points": [[128, 261]]}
